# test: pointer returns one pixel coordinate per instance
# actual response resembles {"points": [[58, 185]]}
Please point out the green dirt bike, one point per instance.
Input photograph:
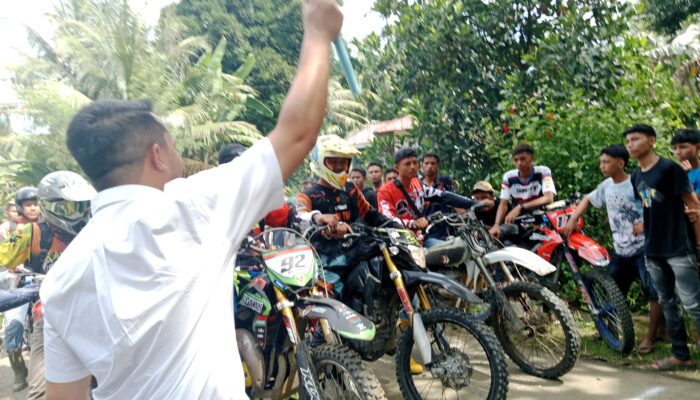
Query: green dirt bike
{"points": [[461, 357], [534, 326], [279, 304]]}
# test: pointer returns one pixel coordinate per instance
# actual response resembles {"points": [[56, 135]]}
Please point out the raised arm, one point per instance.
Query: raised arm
{"points": [[305, 106]]}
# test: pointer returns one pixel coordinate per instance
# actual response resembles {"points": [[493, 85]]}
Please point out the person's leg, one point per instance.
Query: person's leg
{"points": [[688, 284], [37, 383], [656, 317], [13, 342], [664, 281], [623, 271]]}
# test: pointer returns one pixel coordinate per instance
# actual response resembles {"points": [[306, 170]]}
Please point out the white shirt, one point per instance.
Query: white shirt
{"points": [[142, 298]]}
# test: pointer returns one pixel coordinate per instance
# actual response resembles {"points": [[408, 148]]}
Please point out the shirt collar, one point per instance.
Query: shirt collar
{"points": [[120, 193]]}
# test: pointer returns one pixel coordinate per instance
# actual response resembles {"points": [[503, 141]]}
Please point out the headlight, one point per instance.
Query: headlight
{"points": [[418, 255]]}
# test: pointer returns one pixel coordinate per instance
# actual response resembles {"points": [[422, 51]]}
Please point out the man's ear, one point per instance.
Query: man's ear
{"points": [[156, 157]]}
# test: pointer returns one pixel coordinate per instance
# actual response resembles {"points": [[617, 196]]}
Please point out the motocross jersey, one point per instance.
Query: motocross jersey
{"points": [[348, 205], [518, 191], [393, 203]]}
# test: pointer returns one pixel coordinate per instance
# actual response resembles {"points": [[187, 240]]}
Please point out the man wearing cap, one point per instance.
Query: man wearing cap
{"points": [[483, 191]]}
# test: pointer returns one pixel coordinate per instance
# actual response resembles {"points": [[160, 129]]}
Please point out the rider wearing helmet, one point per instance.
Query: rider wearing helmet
{"points": [[26, 205], [334, 200], [63, 200]]}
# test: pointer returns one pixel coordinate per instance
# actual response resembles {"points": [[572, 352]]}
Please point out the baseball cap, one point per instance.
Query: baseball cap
{"points": [[482, 186]]}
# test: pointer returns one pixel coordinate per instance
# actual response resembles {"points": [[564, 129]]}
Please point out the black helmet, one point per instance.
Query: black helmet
{"points": [[24, 194], [230, 151]]}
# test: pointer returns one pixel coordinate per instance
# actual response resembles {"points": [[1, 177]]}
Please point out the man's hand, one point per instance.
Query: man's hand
{"points": [[513, 214], [488, 204], [495, 231], [420, 223], [693, 214], [323, 18], [330, 220], [685, 164], [570, 227], [341, 230], [638, 229]]}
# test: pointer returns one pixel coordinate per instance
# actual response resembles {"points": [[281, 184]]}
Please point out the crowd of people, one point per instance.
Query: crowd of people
{"points": [[138, 298]]}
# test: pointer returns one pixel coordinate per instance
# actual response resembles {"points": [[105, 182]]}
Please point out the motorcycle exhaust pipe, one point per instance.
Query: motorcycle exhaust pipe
{"points": [[424, 355], [253, 358]]}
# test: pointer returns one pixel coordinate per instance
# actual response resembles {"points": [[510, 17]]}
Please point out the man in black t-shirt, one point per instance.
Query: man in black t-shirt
{"points": [[358, 176], [483, 191], [665, 192]]}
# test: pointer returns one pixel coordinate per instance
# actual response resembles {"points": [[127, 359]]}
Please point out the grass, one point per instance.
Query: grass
{"points": [[592, 346]]}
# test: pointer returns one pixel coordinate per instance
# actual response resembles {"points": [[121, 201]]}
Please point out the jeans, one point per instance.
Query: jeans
{"points": [[624, 271], [668, 275], [37, 383], [431, 241]]}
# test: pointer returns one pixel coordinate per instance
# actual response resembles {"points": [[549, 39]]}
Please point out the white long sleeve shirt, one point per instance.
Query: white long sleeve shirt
{"points": [[142, 297]]}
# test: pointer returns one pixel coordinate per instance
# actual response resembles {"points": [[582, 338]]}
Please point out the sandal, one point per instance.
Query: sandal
{"points": [[645, 349], [668, 364]]}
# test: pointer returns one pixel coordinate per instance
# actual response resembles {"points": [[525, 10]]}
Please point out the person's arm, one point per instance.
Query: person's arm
{"points": [[693, 211], [77, 390], [500, 216], [447, 198], [572, 223], [368, 213], [305, 105]]}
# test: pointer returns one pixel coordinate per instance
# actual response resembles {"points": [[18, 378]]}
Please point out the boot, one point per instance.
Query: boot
{"points": [[20, 370]]}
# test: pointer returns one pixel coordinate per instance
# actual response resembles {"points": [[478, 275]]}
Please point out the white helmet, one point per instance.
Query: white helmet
{"points": [[65, 201], [332, 146]]}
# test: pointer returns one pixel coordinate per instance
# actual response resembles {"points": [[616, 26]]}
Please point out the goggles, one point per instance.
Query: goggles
{"points": [[67, 209]]}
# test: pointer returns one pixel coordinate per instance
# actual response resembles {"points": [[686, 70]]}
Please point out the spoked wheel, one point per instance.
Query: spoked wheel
{"points": [[547, 344], [467, 362], [441, 298], [343, 376], [614, 320]]}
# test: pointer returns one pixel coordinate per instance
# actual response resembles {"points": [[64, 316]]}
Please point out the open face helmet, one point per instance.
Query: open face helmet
{"points": [[65, 201], [329, 147]]}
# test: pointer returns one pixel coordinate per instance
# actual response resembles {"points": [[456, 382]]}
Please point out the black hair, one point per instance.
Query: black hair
{"points": [[617, 151], [640, 128], [390, 170], [229, 152], [404, 153], [109, 135], [360, 170], [523, 148], [375, 164], [432, 154], [691, 136]]}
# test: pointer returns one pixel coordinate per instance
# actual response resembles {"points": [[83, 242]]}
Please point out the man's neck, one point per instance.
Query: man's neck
{"points": [[377, 185], [619, 177], [405, 181], [429, 179], [525, 173], [647, 161]]}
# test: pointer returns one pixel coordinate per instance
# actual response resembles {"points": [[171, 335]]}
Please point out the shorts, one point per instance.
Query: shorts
{"points": [[625, 270], [14, 335]]}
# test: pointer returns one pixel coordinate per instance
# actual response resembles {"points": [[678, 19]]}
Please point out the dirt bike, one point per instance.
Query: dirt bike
{"points": [[541, 233], [534, 326], [459, 354], [274, 309]]}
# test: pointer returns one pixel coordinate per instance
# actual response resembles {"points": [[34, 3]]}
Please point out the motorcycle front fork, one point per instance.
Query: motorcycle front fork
{"points": [[576, 272]]}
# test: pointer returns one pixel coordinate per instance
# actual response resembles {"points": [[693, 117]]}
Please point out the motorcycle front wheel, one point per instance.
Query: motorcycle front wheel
{"points": [[613, 320], [467, 361], [548, 343], [343, 376]]}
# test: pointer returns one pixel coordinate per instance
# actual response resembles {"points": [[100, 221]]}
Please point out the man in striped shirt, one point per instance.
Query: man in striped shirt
{"points": [[525, 187]]}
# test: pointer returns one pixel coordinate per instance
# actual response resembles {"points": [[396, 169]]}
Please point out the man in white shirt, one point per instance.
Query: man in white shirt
{"points": [[142, 298]]}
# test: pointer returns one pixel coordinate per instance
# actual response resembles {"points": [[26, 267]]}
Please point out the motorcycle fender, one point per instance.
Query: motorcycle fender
{"points": [[521, 257], [341, 318], [546, 249], [413, 277], [589, 249]]}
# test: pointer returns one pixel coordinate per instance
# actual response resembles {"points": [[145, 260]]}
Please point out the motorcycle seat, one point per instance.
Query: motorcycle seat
{"points": [[452, 252]]}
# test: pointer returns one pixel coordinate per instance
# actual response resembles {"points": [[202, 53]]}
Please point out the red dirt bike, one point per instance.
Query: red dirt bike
{"points": [[540, 232]]}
